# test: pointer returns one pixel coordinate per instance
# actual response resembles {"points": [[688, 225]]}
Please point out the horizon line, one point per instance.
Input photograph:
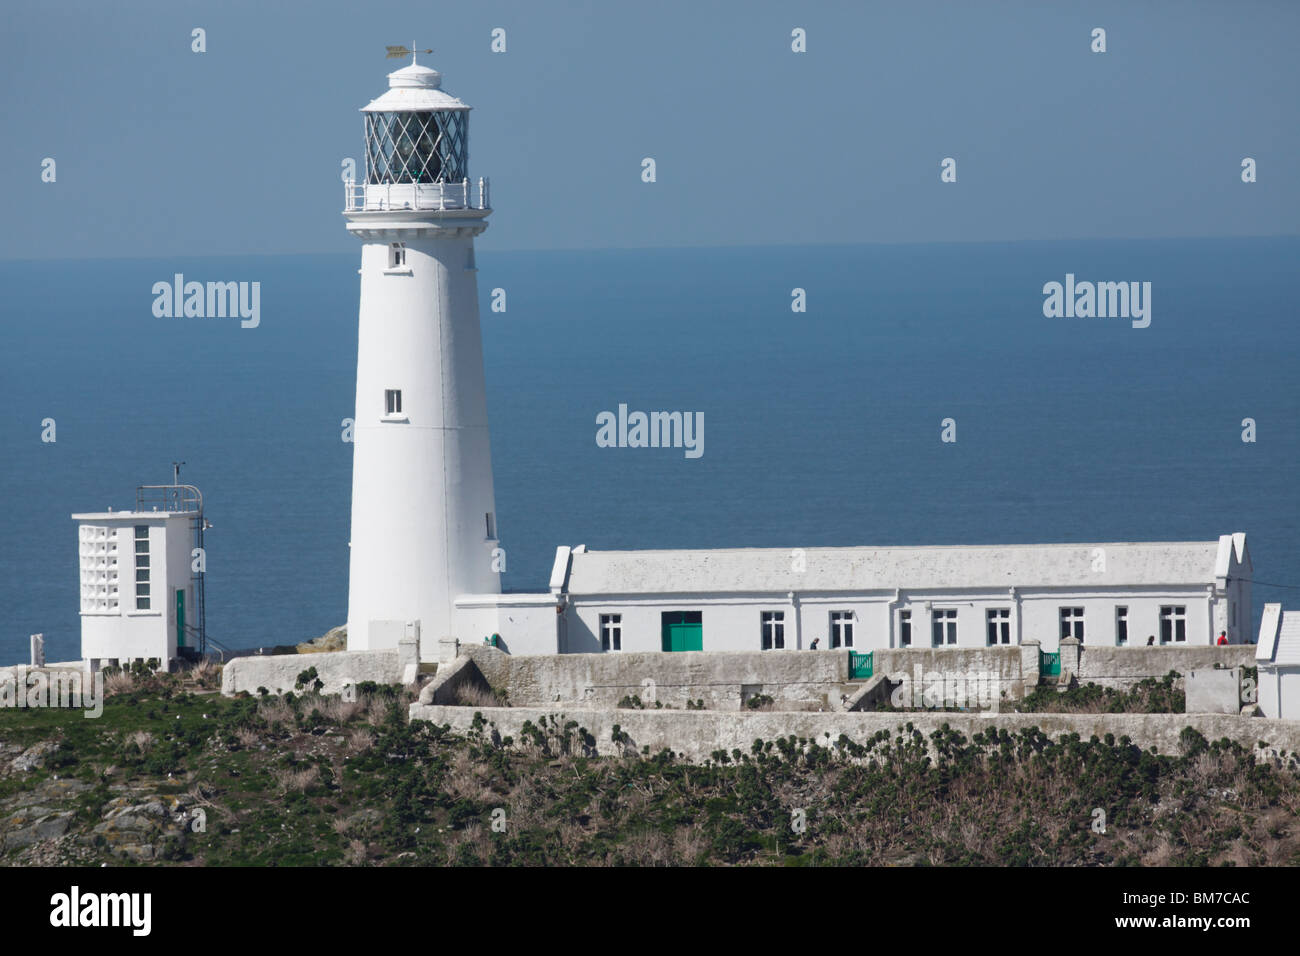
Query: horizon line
{"points": [[656, 248]]}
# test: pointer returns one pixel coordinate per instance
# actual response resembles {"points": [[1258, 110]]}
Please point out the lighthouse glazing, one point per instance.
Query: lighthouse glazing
{"points": [[423, 514]]}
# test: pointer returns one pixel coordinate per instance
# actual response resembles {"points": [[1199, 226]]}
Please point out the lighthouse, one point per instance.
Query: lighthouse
{"points": [[423, 514]]}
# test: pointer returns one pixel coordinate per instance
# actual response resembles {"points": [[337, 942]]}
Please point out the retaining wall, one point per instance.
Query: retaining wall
{"points": [[335, 669], [695, 735], [722, 679], [1122, 667], [820, 679]]}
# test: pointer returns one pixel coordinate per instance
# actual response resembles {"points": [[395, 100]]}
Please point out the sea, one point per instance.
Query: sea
{"points": [[821, 427]]}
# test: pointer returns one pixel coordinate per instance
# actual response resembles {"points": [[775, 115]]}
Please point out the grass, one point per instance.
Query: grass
{"points": [[311, 780]]}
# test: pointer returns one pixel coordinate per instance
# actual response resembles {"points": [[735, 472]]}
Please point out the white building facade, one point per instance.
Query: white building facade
{"points": [[1116, 594], [137, 589], [1278, 660], [423, 513]]}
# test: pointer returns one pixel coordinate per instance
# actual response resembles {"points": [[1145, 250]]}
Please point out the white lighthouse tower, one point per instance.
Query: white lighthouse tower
{"points": [[423, 515]]}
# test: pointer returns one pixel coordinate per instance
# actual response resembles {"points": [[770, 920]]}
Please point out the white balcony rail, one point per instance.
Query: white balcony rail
{"points": [[384, 197]]}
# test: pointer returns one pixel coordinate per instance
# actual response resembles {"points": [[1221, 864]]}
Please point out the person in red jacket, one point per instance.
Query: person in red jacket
{"points": [[1223, 637]]}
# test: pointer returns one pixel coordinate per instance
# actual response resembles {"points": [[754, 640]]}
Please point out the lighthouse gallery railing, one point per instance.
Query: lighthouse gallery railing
{"points": [[383, 197]]}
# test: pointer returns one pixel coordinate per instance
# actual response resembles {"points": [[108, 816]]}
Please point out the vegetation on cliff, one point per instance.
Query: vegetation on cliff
{"points": [[173, 773]]}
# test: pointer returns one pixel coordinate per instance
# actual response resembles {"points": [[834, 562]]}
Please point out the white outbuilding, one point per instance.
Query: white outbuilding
{"points": [[1278, 660], [142, 578]]}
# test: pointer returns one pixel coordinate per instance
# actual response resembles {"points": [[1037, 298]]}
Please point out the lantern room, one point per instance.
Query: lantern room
{"points": [[417, 148]]}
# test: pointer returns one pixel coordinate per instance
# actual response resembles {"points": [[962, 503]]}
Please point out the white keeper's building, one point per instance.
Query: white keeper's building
{"points": [[1118, 594]]}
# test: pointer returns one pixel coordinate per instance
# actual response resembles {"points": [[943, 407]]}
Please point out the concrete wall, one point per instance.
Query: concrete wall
{"points": [[975, 677], [526, 623], [1122, 667], [1214, 690], [721, 679], [697, 734], [965, 676], [337, 669], [451, 677]]}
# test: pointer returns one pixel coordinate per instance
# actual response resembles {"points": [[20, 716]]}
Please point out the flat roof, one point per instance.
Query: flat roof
{"points": [[132, 515], [857, 569]]}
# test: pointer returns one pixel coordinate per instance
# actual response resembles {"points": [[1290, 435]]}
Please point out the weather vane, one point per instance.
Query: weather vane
{"points": [[397, 52]]}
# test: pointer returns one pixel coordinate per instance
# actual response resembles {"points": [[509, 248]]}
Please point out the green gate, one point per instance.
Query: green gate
{"points": [[1049, 664], [683, 630], [861, 666]]}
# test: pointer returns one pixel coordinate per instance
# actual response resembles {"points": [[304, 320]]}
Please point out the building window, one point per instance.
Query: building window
{"points": [[611, 632], [773, 630], [1072, 623], [999, 625], [904, 628], [142, 567], [841, 628], [1173, 624], [943, 626], [491, 526], [1121, 626], [396, 255], [392, 401]]}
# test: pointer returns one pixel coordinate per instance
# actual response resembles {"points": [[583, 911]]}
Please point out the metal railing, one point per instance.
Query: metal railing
{"points": [[384, 197], [185, 499]]}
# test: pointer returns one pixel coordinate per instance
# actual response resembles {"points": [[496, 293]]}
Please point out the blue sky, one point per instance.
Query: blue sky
{"points": [[166, 152]]}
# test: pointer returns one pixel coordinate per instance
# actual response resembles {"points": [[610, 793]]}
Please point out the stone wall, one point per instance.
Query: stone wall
{"points": [[963, 676], [816, 680], [450, 679], [697, 734], [279, 672], [1122, 667], [722, 679], [1213, 690]]}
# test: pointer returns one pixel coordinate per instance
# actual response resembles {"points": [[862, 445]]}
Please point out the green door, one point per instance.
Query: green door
{"points": [[683, 630], [180, 617]]}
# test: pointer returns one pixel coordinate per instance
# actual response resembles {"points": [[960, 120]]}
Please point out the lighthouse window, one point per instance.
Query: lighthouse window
{"points": [[417, 147], [491, 526], [393, 401], [396, 255]]}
